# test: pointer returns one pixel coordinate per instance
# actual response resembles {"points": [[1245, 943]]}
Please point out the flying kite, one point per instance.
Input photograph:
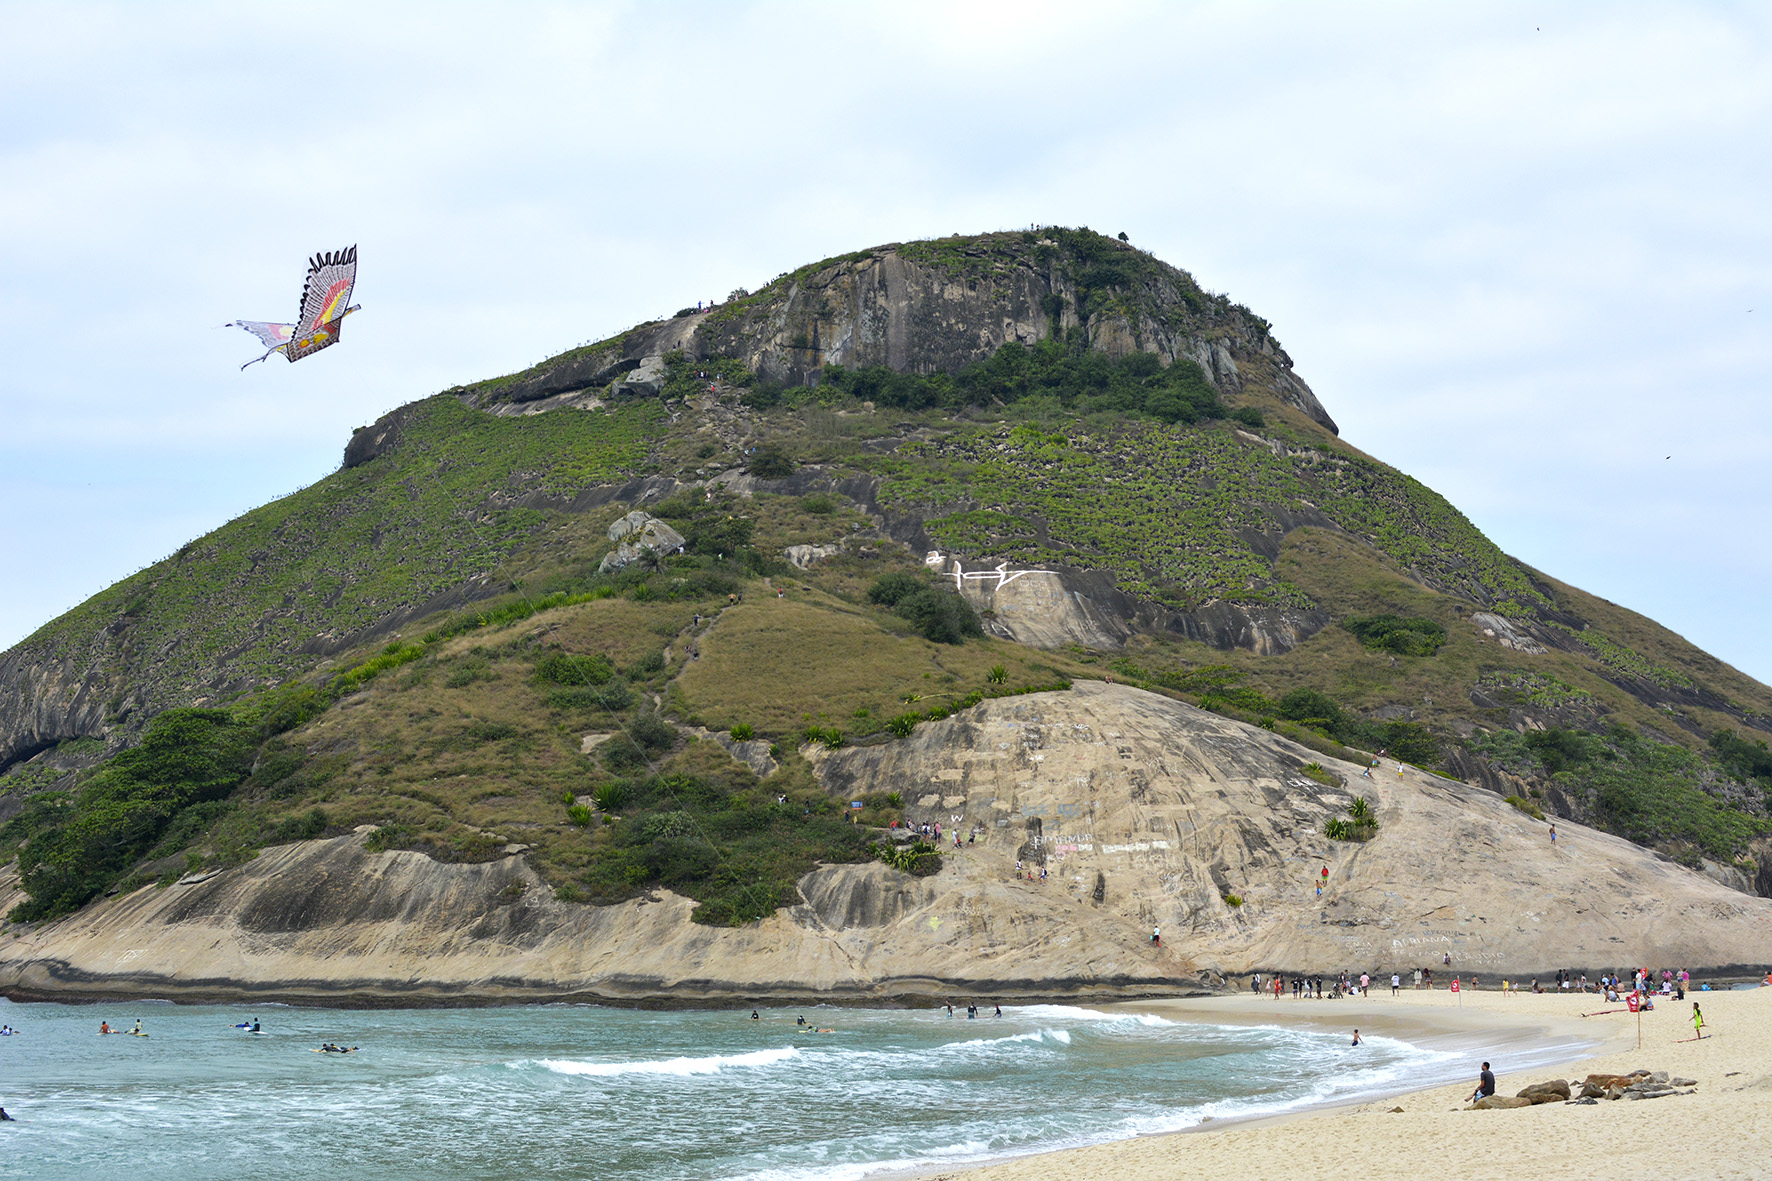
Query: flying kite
{"points": [[324, 300]]}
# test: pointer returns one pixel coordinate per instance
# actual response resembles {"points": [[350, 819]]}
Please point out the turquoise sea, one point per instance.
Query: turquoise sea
{"points": [[567, 1091]]}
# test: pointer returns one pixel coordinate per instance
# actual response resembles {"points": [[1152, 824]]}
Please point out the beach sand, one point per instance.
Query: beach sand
{"points": [[1724, 1130]]}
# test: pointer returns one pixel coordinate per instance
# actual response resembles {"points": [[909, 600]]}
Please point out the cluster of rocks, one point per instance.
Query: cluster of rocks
{"points": [[636, 533], [1639, 1084]]}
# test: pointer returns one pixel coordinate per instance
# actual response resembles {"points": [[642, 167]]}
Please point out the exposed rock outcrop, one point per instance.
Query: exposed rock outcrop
{"points": [[637, 533], [1141, 810], [938, 306]]}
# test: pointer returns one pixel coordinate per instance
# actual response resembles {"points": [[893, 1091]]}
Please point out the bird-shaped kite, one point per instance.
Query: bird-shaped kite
{"points": [[324, 300]]}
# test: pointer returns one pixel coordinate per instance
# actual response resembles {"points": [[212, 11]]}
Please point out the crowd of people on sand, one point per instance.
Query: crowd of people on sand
{"points": [[1644, 982]]}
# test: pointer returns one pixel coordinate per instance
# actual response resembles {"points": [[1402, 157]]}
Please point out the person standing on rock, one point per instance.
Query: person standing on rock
{"points": [[1553, 836]]}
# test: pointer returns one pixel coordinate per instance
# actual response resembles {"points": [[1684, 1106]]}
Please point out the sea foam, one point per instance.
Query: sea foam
{"points": [[682, 1067]]}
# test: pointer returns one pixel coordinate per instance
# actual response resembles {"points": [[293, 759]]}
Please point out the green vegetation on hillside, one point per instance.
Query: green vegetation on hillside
{"points": [[1170, 510], [1645, 791], [1080, 379], [238, 604], [1392, 633], [161, 792]]}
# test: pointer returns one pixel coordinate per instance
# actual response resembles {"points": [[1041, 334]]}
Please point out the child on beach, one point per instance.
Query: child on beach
{"points": [[1697, 1021]]}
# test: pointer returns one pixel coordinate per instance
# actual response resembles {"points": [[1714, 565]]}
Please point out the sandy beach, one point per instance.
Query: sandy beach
{"points": [[1722, 1130]]}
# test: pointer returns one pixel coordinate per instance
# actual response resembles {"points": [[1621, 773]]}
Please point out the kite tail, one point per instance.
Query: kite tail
{"points": [[268, 352]]}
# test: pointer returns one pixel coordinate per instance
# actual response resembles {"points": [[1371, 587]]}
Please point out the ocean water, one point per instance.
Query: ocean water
{"points": [[566, 1091]]}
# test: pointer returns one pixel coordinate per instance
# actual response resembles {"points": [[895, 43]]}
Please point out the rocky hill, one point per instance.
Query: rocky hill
{"points": [[1122, 809], [542, 613]]}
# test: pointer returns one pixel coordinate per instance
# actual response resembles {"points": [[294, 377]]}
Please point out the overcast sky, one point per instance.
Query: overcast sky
{"points": [[1520, 251]]}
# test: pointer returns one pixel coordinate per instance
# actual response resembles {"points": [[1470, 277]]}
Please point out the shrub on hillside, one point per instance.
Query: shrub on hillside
{"points": [[76, 848], [770, 462], [1395, 633], [939, 614], [558, 668]]}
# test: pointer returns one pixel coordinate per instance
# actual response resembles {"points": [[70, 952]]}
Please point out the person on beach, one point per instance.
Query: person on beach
{"points": [[1697, 1021], [1356, 1037], [1485, 1085], [1396, 983]]}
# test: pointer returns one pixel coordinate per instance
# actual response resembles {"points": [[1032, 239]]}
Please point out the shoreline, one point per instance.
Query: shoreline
{"points": [[1430, 1125]]}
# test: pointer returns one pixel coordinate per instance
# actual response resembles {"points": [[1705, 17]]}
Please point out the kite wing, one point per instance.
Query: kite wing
{"points": [[276, 337], [325, 300]]}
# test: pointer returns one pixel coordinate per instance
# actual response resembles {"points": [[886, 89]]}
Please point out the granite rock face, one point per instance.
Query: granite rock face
{"points": [[927, 307], [1141, 812]]}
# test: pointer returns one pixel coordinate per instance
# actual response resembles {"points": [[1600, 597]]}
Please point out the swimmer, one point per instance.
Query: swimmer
{"points": [[1356, 1037]]}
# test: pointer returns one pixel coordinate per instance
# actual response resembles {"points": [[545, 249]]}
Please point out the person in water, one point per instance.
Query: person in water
{"points": [[1356, 1037], [6, 1119], [754, 1016], [999, 1010], [104, 1027], [801, 1020], [255, 1025], [138, 1027]]}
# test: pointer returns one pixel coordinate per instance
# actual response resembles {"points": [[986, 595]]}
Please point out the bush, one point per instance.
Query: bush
{"points": [[388, 836], [1359, 825], [1394, 633], [645, 666], [770, 462], [890, 588], [186, 757], [941, 616], [831, 738], [742, 732], [1321, 774], [819, 504], [558, 668], [613, 697], [652, 732], [998, 675], [611, 796], [579, 814], [902, 725], [714, 536], [919, 858], [621, 753], [1248, 416], [1527, 806]]}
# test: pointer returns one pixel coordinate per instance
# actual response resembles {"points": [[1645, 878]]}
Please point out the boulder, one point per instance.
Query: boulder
{"points": [[1491, 1102], [802, 556], [1609, 1082], [638, 532], [1554, 1091]]}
